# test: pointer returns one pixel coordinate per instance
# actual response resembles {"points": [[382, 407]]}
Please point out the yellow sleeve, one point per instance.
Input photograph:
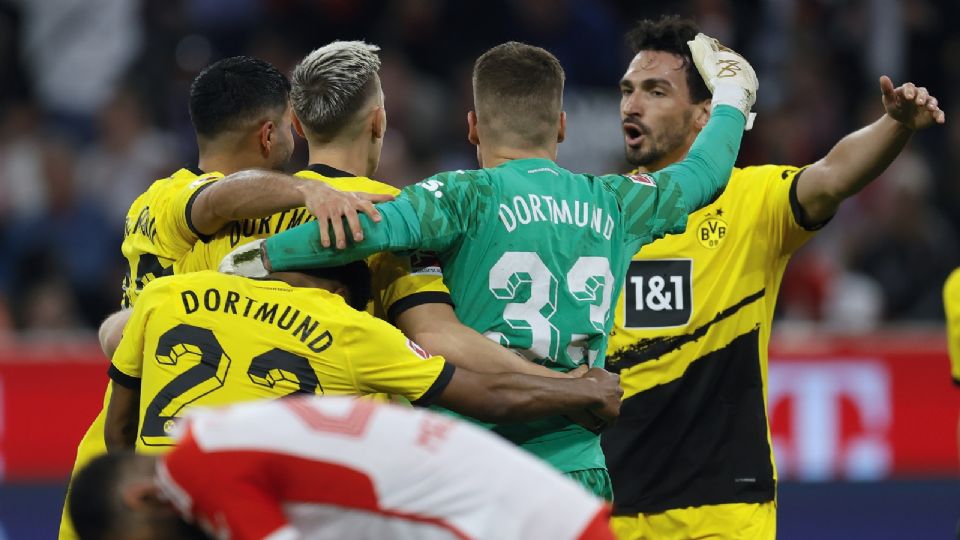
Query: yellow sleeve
{"points": [[400, 283], [382, 360], [788, 228], [951, 306], [195, 260], [175, 230], [126, 367]]}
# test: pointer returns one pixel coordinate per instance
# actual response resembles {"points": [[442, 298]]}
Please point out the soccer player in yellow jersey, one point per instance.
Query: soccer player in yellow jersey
{"points": [[204, 339], [690, 456], [951, 306], [338, 107], [240, 110]]}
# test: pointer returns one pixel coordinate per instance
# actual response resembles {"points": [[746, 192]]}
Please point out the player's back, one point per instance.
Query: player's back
{"points": [[535, 268], [157, 230], [391, 276], [206, 339], [354, 468], [544, 245]]}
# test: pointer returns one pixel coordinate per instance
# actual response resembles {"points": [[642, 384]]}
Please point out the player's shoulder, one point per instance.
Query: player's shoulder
{"points": [[177, 181], [767, 173], [349, 183], [951, 287]]}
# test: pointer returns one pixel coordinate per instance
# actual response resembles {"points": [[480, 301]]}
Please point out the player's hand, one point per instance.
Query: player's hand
{"points": [[729, 77], [610, 393], [245, 260], [578, 371], [331, 206], [910, 105]]}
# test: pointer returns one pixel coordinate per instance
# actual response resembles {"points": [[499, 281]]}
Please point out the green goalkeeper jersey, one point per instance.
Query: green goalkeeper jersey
{"points": [[535, 255]]}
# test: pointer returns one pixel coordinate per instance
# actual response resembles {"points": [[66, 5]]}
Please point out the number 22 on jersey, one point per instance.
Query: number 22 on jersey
{"points": [[531, 290], [186, 344]]}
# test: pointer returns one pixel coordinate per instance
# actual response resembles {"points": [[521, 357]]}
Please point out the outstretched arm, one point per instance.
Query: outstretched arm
{"points": [[400, 229], [861, 156], [514, 397], [257, 193], [436, 328]]}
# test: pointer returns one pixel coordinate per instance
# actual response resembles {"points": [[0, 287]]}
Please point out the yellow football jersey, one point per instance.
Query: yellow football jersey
{"points": [[157, 230], [690, 343], [207, 339], [951, 306], [398, 284]]}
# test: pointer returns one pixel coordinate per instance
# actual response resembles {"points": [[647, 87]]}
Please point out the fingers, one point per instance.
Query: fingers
{"points": [[908, 91], [886, 86], [354, 223], [374, 197], [578, 371], [336, 223], [370, 210], [322, 220]]}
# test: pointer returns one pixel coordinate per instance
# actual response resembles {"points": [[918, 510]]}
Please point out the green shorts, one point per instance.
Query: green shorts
{"points": [[596, 481]]}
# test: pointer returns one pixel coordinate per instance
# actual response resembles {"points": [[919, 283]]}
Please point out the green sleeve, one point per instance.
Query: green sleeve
{"points": [[656, 204], [418, 218], [706, 169]]}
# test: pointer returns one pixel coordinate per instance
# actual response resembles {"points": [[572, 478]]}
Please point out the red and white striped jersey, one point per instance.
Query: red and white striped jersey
{"points": [[337, 467]]}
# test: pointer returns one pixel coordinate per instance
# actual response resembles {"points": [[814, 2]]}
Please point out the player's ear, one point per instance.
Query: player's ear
{"points": [[379, 124], [472, 134], [266, 136], [562, 134], [701, 114], [142, 494], [297, 126], [342, 291]]}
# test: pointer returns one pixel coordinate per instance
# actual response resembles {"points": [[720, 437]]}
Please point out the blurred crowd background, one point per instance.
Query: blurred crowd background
{"points": [[93, 108]]}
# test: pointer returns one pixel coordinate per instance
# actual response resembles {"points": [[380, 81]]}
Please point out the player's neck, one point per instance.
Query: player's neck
{"points": [[298, 279], [664, 162], [351, 158], [228, 163], [497, 155]]}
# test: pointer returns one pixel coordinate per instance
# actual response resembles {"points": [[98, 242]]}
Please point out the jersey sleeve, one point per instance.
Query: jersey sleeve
{"points": [[228, 493], [951, 306], [126, 367], [787, 227], [175, 229], [383, 360], [406, 282], [431, 215], [651, 208]]}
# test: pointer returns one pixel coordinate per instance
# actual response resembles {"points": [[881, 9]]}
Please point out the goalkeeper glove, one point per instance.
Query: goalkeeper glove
{"points": [[245, 261], [729, 77]]}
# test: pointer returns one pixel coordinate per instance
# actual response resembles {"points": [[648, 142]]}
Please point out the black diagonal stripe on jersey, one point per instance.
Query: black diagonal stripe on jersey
{"points": [[653, 348], [697, 440]]}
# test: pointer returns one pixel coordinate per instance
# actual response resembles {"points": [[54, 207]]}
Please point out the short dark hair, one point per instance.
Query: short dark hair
{"points": [[233, 91], [518, 88], [670, 34], [97, 509], [94, 503], [354, 276]]}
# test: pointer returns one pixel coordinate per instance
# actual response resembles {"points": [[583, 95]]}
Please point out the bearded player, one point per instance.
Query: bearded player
{"points": [[690, 456]]}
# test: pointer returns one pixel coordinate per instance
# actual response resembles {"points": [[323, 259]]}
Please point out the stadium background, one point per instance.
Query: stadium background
{"points": [[93, 108]]}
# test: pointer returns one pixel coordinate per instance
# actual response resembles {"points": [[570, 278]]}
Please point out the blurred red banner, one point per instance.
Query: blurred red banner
{"points": [[862, 408]]}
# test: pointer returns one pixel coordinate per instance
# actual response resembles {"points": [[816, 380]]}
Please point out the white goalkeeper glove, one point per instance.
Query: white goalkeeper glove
{"points": [[244, 261], [729, 77]]}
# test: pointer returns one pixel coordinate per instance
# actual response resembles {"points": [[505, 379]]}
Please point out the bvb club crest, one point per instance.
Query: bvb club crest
{"points": [[711, 231]]}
